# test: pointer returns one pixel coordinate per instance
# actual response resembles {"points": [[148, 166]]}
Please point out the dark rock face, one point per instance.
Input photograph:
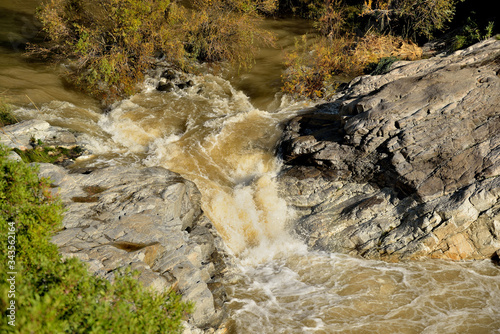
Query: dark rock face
{"points": [[165, 86], [403, 165]]}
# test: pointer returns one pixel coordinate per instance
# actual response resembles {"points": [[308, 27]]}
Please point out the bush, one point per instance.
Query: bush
{"points": [[6, 116], [111, 43], [224, 30], [411, 18], [471, 33], [56, 296], [373, 47], [381, 67], [313, 67], [332, 21]]}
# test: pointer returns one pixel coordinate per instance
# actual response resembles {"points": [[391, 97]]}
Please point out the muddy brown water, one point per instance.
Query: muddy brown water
{"points": [[221, 134]]}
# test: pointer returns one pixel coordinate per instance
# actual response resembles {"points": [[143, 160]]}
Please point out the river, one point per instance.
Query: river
{"points": [[221, 134]]}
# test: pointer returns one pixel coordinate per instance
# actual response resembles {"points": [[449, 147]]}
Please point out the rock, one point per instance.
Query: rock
{"points": [[14, 156], [165, 86], [149, 219], [184, 85], [168, 86], [21, 135], [403, 165], [169, 75], [171, 80], [36, 138]]}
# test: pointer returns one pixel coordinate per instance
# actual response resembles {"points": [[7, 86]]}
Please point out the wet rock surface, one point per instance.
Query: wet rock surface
{"points": [[149, 219], [403, 165], [171, 80]]}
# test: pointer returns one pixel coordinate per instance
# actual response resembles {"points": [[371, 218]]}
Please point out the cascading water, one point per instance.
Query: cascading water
{"points": [[211, 134], [217, 136]]}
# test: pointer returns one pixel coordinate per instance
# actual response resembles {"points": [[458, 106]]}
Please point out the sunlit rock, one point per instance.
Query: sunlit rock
{"points": [[149, 219], [403, 165]]}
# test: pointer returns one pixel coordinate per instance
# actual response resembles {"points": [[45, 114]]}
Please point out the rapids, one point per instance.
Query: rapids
{"points": [[221, 134]]}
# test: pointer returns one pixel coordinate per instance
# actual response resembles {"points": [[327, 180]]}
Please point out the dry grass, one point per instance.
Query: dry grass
{"points": [[373, 47], [312, 66], [6, 115]]}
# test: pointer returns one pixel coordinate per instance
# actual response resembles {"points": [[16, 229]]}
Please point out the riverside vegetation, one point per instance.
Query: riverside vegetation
{"points": [[354, 36], [111, 43], [53, 295], [6, 116], [108, 45]]}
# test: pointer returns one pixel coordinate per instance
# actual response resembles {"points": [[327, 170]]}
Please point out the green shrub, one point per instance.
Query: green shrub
{"points": [[111, 43], [381, 67], [411, 18], [56, 296], [6, 116], [471, 33], [423, 17]]}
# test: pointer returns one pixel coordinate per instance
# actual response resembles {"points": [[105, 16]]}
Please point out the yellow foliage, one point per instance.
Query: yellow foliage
{"points": [[112, 42], [224, 30], [312, 67], [372, 47]]}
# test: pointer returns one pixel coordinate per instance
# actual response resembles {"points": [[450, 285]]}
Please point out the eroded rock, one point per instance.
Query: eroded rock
{"points": [[21, 135], [146, 218], [403, 165]]}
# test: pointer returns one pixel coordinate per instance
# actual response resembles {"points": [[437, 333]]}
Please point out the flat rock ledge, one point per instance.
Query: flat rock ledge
{"points": [[20, 135], [404, 165], [26, 134], [149, 219]]}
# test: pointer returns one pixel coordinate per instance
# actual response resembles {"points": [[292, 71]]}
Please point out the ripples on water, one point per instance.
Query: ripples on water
{"points": [[309, 292], [223, 139]]}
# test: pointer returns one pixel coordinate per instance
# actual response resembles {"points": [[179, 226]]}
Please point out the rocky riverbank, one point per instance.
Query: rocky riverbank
{"points": [[148, 219], [402, 165]]}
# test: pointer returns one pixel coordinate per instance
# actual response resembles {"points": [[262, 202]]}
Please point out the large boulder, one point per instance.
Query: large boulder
{"points": [[148, 219], [403, 165]]}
